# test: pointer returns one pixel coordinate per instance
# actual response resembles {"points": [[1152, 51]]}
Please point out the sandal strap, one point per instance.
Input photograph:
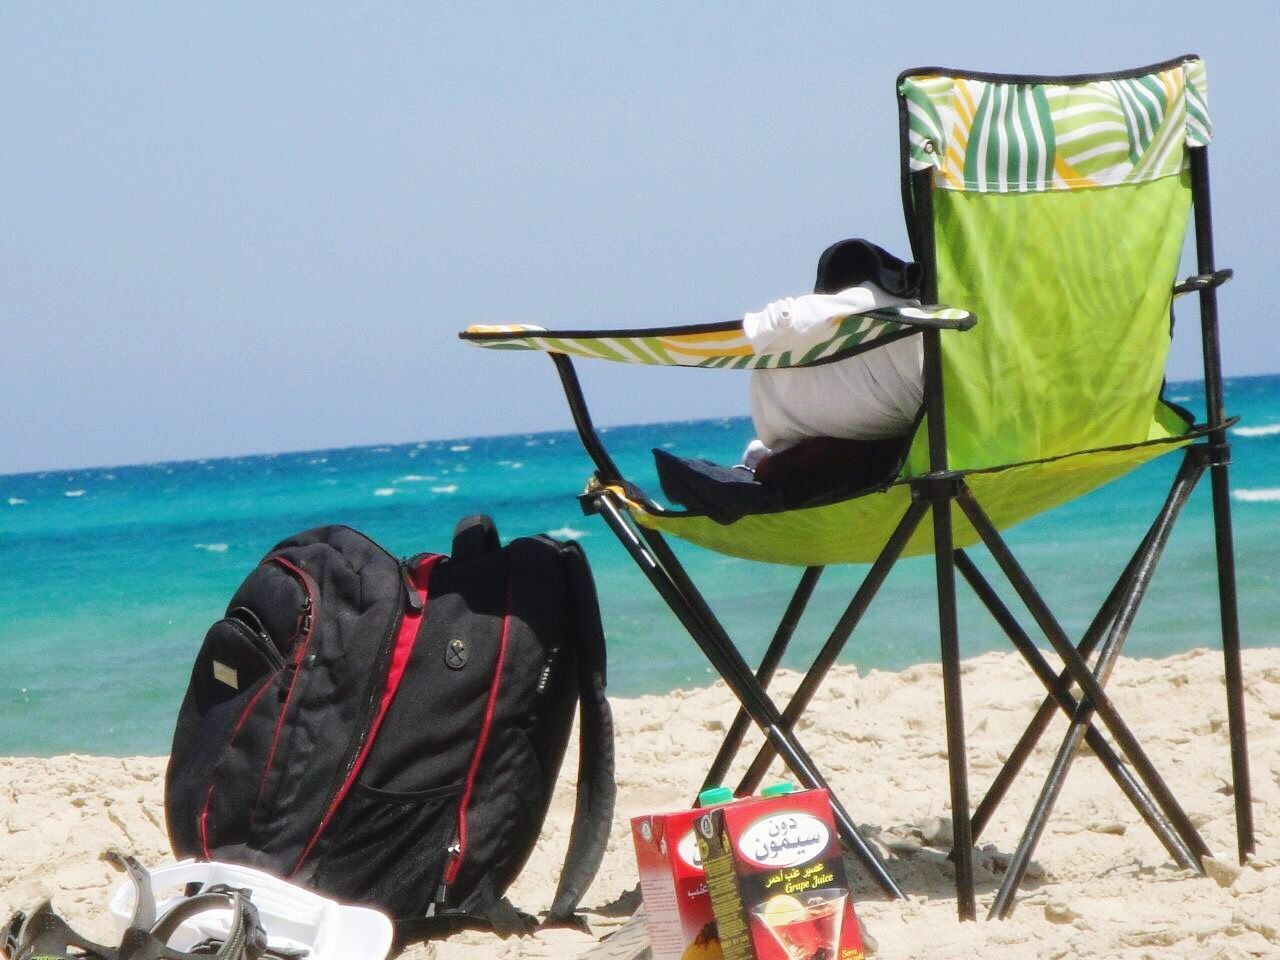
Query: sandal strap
{"points": [[144, 900], [45, 934]]}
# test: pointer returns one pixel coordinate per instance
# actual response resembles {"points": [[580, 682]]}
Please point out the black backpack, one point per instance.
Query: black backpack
{"points": [[389, 732]]}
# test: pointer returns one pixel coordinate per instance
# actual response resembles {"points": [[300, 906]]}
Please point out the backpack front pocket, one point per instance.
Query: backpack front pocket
{"points": [[389, 847], [231, 675]]}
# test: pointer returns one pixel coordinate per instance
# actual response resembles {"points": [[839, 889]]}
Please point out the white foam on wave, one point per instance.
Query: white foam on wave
{"points": [[73, 493], [213, 547], [16, 501], [381, 449], [385, 491], [447, 488], [568, 533], [416, 478], [1261, 495], [460, 447], [1266, 430], [318, 460]]}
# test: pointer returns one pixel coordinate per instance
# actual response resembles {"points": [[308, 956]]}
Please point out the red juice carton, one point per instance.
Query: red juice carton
{"points": [[776, 878], [677, 908]]}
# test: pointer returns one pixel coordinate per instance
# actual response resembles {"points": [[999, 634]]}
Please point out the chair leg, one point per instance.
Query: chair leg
{"points": [[953, 707], [764, 674], [1231, 657], [655, 560], [1048, 707], [1060, 698], [1079, 670], [1081, 722], [840, 634]]}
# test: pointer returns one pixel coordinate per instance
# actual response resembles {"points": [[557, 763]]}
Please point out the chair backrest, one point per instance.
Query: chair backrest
{"points": [[1054, 209]]}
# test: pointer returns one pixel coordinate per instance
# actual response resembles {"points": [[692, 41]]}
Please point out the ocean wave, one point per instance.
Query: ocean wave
{"points": [[385, 491], [73, 493], [1261, 495], [1266, 430], [318, 460], [213, 547], [447, 488], [568, 533], [381, 450], [416, 478], [460, 447], [16, 501]]}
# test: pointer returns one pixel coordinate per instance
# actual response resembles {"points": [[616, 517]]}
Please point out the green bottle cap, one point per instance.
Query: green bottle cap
{"points": [[713, 795], [778, 789]]}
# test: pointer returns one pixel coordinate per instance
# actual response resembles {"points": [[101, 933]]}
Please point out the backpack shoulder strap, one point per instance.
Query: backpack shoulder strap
{"points": [[597, 789]]}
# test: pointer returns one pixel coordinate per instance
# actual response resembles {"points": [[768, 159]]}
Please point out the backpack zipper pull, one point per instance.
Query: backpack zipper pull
{"points": [[286, 683], [410, 591], [454, 851]]}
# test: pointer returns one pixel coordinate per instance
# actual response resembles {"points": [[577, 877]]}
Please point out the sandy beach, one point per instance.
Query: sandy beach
{"points": [[1100, 885]]}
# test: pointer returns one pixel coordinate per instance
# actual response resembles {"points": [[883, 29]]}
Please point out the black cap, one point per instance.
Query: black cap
{"points": [[851, 262]]}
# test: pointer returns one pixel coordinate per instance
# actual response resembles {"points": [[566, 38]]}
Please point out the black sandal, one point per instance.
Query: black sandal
{"points": [[46, 936]]}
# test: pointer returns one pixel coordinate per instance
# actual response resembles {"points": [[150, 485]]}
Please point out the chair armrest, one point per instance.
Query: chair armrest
{"points": [[1203, 281], [721, 345]]}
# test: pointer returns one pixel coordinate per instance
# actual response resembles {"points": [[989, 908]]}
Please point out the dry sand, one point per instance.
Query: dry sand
{"points": [[1100, 885]]}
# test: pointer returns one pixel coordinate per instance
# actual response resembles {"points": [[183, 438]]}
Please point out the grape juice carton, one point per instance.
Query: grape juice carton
{"points": [[776, 879], [677, 909]]}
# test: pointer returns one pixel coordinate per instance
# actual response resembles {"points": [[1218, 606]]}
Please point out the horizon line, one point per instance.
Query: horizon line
{"points": [[569, 431]]}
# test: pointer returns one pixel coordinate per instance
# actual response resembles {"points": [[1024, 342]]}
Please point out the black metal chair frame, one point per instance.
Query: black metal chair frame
{"points": [[937, 492]]}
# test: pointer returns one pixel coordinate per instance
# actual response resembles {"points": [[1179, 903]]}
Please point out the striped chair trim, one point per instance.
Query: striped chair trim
{"points": [[984, 135], [716, 345]]}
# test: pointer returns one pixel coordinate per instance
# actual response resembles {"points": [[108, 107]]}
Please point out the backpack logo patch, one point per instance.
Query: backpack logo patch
{"points": [[455, 654], [225, 674]]}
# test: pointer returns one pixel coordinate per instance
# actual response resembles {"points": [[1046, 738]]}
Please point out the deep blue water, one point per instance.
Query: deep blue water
{"points": [[111, 576]]}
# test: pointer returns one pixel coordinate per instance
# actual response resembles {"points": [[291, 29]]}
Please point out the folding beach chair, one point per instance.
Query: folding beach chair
{"points": [[1052, 211]]}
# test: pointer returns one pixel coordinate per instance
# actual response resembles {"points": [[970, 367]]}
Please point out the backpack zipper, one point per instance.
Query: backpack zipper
{"points": [[303, 630], [391, 662], [287, 676], [457, 848]]}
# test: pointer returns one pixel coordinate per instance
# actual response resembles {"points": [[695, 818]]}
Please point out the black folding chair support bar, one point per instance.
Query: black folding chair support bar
{"points": [[1061, 698], [737, 674], [1137, 581], [1223, 540], [764, 674], [1079, 670], [830, 651]]}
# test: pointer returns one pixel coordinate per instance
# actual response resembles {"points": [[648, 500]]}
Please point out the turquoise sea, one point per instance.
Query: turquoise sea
{"points": [[109, 577]]}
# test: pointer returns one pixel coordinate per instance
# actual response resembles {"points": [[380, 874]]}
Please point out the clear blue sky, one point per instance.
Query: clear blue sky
{"points": [[239, 228]]}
